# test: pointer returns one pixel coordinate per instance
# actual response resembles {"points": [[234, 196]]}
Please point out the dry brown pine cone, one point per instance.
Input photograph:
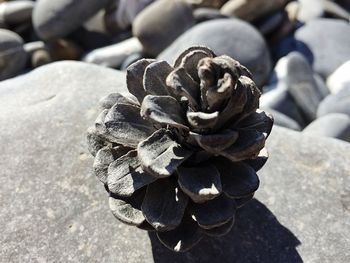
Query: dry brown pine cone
{"points": [[180, 155]]}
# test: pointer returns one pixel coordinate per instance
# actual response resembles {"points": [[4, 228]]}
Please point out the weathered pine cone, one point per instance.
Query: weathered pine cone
{"points": [[180, 155]]}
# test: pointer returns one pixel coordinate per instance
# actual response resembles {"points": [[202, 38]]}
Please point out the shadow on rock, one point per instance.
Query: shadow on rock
{"points": [[256, 237]]}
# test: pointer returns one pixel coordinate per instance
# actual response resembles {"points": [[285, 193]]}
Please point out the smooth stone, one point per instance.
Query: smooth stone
{"points": [[60, 49], [12, 54], [158, 25], [298, 77], [339, 79], [251, 10], [321, 84], [344, 3], [283, 120], [207, 3], [310, 10], [335, 10], [96, 23], [40, 57], [269, 24], [334, 125], [114, 55], [56, 19], [130, 60], [232, 37], [335, 103], [205, 13], [279, 99], [55, 210], [127, 10], [34, 46], [324, 40], [16, 12], [288, 24]]}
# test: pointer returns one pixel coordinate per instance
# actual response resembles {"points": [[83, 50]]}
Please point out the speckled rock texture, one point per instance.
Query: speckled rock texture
{"points": [[53, 209]]}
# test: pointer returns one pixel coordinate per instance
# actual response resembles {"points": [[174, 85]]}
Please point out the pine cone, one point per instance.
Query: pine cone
{"points": [[180, 153]]}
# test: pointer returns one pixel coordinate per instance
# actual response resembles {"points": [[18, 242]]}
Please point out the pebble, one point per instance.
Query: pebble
{"points": [[127, 10], [158, 25], [340, 79], [130, 60], [233, 37], [16, 12], [114, 55], [56, 19], [283, 120], [326, 41], [310, 10], [207, 3], [335, 10], [270, 23], [12, 54], [335, 103], [280, 100], [251, 10], [334, 125], [205, 13], [321, 85], [298, 77]]}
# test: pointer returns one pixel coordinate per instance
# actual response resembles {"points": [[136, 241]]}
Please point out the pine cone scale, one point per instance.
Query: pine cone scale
{"points": [[179, 156]]}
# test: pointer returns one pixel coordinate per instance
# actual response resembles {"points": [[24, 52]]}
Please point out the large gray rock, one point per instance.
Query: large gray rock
{"points": [[55, 19], [232, 37], [53, 210], [12, 55]]}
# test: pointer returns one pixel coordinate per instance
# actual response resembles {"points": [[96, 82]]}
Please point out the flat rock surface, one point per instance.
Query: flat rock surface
{"points": [[53, 210]]}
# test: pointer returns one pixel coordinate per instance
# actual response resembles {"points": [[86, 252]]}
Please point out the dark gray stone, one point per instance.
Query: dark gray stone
{"points": [[12, 55], [158, 25], [232, 37], [337, 103], [55, 19], [324, 42], [53, 209], [334, 125]]}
